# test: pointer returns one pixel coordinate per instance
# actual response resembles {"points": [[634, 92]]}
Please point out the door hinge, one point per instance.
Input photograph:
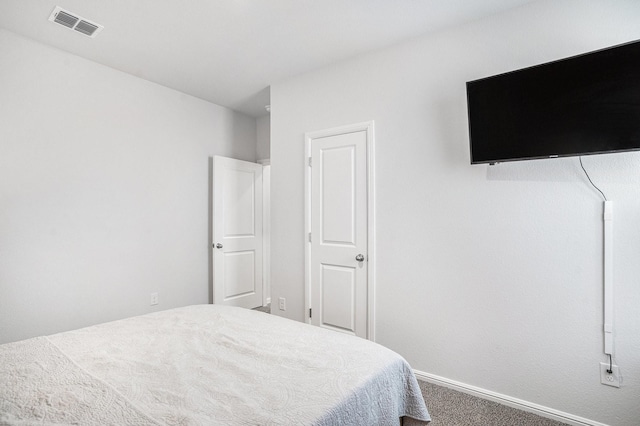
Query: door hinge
{"points": [[309, 312], [309, 161], [309, 236]]}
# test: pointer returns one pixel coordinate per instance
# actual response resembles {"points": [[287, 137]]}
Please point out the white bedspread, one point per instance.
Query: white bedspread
{"points": [[207, 365]]}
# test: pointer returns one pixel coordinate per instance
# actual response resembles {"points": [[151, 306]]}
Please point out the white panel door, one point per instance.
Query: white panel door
{"points": [[338, 261], [237, 233]]}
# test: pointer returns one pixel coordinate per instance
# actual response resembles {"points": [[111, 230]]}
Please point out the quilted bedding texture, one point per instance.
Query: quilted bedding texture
{"points": [[205, 365]]}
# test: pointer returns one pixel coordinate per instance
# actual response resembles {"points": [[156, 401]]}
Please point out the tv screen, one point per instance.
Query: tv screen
{"points": [[587, 104]]}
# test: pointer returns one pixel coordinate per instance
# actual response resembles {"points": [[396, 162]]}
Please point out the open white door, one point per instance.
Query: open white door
{"points": [[237, 233], [339, 245]]}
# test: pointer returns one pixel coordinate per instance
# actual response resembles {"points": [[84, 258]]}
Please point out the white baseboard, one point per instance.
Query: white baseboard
{"points": [[540, 410]]}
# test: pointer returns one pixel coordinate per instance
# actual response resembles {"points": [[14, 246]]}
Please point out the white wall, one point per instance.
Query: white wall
{"points": [[490, 276], [263, 137], [103, 190]]}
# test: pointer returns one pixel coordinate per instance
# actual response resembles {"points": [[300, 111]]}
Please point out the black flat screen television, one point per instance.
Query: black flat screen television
{"points": [[586, 104]]}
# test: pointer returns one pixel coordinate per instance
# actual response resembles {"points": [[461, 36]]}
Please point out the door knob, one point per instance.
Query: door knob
{"points": [[218, 246], [359, 258]]}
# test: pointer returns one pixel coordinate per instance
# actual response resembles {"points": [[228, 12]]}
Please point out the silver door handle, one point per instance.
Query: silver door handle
{"points": [[359, 258], [218, 246]]}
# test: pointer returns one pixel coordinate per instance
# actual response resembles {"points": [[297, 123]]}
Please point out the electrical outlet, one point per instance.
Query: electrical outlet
{"points": [[154, 299], [609, 379], [282, 303]]}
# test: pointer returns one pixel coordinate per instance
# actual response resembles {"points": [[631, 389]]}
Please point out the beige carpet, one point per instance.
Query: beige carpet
{"points": [[265, 309], [452, 408]]}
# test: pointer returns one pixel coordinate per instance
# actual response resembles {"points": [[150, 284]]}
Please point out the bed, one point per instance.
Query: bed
{"points": [[205, 365]]}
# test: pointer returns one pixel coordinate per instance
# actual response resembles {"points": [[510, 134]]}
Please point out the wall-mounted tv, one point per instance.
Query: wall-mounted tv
{"points": [[586, 104]]}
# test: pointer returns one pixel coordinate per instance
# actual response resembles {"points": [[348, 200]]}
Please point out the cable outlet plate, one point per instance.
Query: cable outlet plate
{"points": [[612, 379]]}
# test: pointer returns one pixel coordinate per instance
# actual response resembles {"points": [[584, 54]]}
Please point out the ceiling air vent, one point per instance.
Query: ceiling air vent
{"points": [[63, 18], [74, 22], [86, 27]]}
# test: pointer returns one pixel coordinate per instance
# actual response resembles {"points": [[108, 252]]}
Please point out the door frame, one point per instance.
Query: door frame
{"points": [[266, 231], [368, 128]]}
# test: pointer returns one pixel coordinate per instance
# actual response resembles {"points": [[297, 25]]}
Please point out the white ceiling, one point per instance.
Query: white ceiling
{"points": [[230, 51]]}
